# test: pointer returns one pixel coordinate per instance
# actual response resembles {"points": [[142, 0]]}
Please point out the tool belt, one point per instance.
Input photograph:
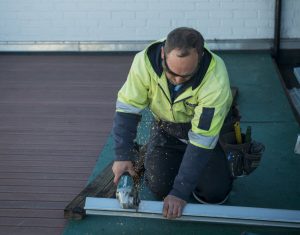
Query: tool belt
{"points": [[243, 158]]}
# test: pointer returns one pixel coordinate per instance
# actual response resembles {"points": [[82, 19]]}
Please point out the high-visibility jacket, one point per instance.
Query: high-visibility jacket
{"points": [[204, 102]]}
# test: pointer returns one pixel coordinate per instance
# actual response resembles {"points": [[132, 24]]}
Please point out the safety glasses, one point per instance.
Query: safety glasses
{"points": [[168, 70]]}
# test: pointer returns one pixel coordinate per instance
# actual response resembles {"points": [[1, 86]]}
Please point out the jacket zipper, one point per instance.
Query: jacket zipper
{"points": [[168, 100], [183, 99]]}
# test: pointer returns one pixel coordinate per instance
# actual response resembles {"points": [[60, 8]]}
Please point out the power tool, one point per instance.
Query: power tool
{"points": [[127, 192]]}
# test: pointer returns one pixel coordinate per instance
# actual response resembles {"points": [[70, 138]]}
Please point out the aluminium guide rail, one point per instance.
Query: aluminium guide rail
{"points": [[199, 212]]}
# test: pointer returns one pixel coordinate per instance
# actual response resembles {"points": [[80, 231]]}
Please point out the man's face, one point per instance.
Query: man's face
{"points": [[179, 69]]}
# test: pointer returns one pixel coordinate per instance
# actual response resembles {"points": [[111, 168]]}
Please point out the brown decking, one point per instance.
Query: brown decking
{"points": [[55, 115]]}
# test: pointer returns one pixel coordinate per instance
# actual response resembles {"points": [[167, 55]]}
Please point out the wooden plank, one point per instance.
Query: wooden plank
{"points": [[12, 82], [14, 230], [30, 196], [58, 140], [80, 94], [46, 169], [55, 123], [40, 189], [31, 205], [59, 120], [44, 175], [41, 162], [51, 152], [55, 138], [32, 222], [47, 158], [60, 135], [36, 213], [102, 186], [52, 109], [45, 147], [43, 182]]}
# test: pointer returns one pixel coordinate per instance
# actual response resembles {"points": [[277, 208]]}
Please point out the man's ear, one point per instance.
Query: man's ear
{"points": [[162, 53]]}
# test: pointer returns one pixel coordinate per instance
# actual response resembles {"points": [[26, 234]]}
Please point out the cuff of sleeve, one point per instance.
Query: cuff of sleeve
{"points": [[180, 195], [124, 157], [124, 133]]}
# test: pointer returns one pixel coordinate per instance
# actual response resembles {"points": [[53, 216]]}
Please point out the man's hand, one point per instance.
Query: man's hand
{"points": [[173, 207], [120, 167]]}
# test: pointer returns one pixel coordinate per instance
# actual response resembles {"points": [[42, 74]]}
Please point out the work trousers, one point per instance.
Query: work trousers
{"points": [[162, 161]]}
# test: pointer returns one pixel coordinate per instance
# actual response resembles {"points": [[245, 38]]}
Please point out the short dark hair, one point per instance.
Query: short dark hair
{"points": [[184, 39]]}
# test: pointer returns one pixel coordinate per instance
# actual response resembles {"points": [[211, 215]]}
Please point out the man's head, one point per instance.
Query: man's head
{"points": [[181, 54]]}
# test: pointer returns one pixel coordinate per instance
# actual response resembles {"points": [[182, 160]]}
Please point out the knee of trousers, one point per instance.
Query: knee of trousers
{"points": [[159, 187], [214, 194]]}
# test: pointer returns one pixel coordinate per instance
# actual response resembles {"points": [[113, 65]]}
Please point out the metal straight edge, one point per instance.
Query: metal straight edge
{"points": [[123, 46], [200, 213], [119, 46]]}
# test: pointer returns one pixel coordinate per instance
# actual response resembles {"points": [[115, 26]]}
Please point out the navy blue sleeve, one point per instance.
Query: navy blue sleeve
{"points": [[193, 162], [124, 133]]}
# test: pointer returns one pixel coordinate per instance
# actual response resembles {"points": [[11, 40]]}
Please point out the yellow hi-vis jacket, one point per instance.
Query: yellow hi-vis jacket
{"points": [[204, 103]]}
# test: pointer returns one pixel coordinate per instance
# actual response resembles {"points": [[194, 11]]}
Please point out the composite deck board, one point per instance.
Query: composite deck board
{"points": [[31, 205], [42, 175], [49, 147], [40, 189], [53, 197], [21, 157], [73, 109], [44, 139], [40, 182], [40, 162], [31, 222], [11, 230], [52, 152], [54, 123], [24, 213], [80, 94], [56, 113], [57, 169]]}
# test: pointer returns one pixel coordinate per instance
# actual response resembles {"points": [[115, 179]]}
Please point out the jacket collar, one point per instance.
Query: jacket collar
{"points": [[154, 56]]}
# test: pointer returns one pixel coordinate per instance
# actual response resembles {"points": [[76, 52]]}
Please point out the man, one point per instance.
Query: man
{"points": [[187, 89]]}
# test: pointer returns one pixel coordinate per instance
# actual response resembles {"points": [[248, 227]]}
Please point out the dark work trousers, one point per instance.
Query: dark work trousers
{"points": [[162, 161]]}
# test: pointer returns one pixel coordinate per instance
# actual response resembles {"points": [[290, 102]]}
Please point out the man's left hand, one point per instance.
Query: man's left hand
{"points": [[173, 207]]}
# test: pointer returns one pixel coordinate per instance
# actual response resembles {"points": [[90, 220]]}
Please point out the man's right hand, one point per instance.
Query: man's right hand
{"points": [[120, 167]]}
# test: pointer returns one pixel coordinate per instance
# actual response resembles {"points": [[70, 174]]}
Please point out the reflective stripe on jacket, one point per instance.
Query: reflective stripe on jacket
{"points": [[204, 101]]}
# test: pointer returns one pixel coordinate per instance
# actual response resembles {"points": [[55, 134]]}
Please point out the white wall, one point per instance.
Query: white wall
{"points": [[291, 19], [119, 20]]}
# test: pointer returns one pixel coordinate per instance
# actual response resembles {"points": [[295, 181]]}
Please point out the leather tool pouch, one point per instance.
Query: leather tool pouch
{"points": [[242, 158]]}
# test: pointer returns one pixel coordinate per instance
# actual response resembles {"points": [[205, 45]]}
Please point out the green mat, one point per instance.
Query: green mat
{"points": [[275, 184]]}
